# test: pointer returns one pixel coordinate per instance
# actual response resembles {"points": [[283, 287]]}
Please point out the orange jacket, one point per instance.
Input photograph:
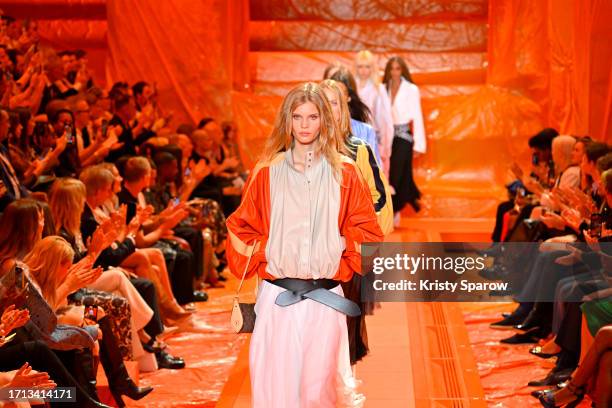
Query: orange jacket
{"points": [[249, 226]]}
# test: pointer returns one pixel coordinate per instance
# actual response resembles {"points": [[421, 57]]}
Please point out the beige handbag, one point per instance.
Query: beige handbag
{"points": [[243, 314]]}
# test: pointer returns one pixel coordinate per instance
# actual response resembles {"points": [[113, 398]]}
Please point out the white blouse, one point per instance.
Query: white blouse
{"points": [[406, 107], [377, 100], [304, 240]]}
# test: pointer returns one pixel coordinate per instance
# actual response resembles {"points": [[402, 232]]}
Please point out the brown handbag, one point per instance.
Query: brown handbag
{"points": [[243, 314]]}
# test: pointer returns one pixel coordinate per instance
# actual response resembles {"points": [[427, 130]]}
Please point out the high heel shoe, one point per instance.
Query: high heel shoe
{"points": [[537, 351], [127, 387], [547, 398], [119, 381]]}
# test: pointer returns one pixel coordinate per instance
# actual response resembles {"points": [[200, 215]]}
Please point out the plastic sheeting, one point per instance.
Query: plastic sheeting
{"points": [[374, 35], [557, 53], [193, 50], [210, 352], [366, 9], [468, 135], [504, 369], [305, 66]]}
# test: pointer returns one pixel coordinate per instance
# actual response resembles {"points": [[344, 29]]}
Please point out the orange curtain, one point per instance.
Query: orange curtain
{"points": [[556, 52], [195, 52]]}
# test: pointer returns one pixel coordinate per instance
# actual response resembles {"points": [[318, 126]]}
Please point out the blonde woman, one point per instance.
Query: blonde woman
{"points": [[303, 216], [356, 345], [67, 202], [50, 268], [372, 92]]}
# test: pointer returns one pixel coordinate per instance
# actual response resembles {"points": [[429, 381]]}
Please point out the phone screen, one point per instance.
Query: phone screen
{"points": [[91, 313], [69, 136], [596, 225]]}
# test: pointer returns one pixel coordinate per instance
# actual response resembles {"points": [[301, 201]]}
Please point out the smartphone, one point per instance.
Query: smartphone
{"points": [[596, 225], [535, 160], [68, 132], [104, 127], [91, 310], [187, 172], [176, 201], [91, 313]]}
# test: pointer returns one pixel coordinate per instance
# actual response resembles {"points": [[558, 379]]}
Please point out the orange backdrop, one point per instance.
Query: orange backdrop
{"points": [[491, 72]]}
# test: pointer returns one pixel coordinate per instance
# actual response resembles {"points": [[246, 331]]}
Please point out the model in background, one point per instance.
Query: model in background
{"points": [[355, 347], [303, 216], [361, 117], [409, 133], [372, 92]]}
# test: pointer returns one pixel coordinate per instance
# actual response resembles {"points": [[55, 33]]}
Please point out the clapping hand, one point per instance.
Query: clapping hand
{"points": [[12, 319], [25, 377], [102, 238], [82, 274], [119, 217]]}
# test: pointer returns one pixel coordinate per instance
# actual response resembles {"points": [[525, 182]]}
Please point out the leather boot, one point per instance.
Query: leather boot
{"points": [[119, 380]]}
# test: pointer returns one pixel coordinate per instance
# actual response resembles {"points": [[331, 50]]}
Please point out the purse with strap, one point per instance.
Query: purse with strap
{"points": [[243, 314]]}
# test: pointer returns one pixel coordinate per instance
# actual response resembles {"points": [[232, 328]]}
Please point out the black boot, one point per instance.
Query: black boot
{"points": [[119, 380], [85, 370]]}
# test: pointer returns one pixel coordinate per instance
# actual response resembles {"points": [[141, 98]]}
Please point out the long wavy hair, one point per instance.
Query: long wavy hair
{"points": [[19, 231], [327, 143], [67, 202], [344, 125], [359, 110], [44, 261], [403, 66]]}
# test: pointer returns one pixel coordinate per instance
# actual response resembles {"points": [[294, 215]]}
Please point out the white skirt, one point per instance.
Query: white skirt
{"points": [[294, 352]]}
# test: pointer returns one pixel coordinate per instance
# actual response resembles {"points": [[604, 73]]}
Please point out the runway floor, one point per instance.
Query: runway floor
{"points": [[422, 354]]}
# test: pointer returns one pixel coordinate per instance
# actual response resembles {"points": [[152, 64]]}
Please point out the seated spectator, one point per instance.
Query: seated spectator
{"points": [[137, 176], [50, 270], [67, 201], [10, 187]]}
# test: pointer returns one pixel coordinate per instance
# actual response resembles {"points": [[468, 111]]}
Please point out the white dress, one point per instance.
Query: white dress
{"points": [[294, 350], [377, 100]]}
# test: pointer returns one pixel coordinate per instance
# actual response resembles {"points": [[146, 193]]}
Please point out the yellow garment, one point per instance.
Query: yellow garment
{"points": [[370, 170]]}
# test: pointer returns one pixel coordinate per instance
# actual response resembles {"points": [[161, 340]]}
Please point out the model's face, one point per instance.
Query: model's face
{"points": [[396, 71], [306, 123], [577, 153], [363, 71], [334, 101]]}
